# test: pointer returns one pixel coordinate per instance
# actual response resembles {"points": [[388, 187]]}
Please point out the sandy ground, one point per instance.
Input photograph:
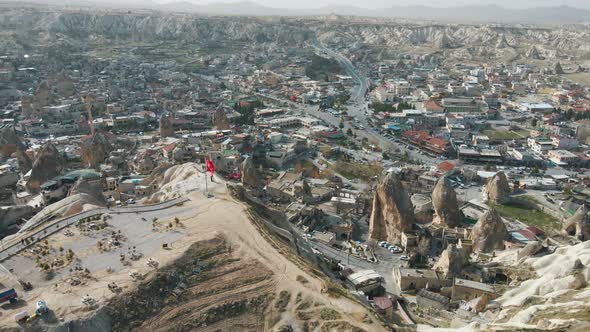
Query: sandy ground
{"points": [[201, 219]]}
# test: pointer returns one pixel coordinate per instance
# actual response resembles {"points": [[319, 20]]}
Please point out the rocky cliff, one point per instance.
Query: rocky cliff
{"points": [[392, 212], [489, 233], [444, 202], [49, 163]]}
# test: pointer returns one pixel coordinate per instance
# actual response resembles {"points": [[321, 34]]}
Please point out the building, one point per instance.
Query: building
{"points": [[536, 108], [467, 290], [416, 279], [463, 105], [561, 157], [384, 306], [365, 281], [430, 300]]}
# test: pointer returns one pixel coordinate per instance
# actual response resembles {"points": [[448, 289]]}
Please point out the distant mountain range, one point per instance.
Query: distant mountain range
{"points": [[463, 14]]}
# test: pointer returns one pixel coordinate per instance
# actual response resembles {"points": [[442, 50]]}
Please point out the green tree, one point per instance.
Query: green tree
{"points": [[341, 125], [349, 132], [534, 122]]}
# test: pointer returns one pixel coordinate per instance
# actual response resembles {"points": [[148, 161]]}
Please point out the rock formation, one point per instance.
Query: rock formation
{"points": [[166, 127], [220, 120], [502, 42], [93, 189], [444, 202], [442, 42], [9, 142], [182, 153], [10, 215], [578, 225], [489, 233], [95, 149], [24, 161], [392, 212], [497, 189], [250, 175], [451, 261], [533, 53], [48, 164], [558, 69], [530, 249]]}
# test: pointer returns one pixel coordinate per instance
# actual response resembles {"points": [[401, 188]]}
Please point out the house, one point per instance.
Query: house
{"points": [[561, 157], [366, 281], [430, 300], [383, 305], [416, 279], [467, 290]]}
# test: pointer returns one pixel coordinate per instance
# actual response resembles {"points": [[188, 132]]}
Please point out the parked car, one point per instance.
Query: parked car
{"points": [[404, 258]]}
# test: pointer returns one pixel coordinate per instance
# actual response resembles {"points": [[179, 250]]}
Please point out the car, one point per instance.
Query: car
{"points": [[404, 258], [381, 243], [395, 250]]}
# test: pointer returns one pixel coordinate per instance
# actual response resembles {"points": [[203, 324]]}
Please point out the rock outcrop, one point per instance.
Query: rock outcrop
{"points": [[92, 190], [10, 215], [558, 69], [451, 261], [531, 249], [49, 163], [533, 53], [166, 127], [578, 225], [95, 149], [9, 142], [489, 233], [250, 175], [502, 42], [444, 202], [220, 120], [392, 212], [24, 161], [497, 189], [182, 153]]}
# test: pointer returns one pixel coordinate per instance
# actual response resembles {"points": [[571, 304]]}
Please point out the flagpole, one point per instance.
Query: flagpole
{"points": [[206, 188]]}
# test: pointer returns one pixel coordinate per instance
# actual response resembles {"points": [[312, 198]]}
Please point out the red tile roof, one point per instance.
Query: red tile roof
{"points": [[445, 166]]}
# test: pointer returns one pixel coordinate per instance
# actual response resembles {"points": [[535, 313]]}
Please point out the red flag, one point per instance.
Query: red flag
{"points": [[210, 166]]}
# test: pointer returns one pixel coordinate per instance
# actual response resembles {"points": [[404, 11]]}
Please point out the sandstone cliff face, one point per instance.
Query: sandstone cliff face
{"points": [[393, 212], [489, 233], [24, 162], [497, 189], [250, 175], [579, 224], [451, 261], [444, 202], [48, 164]]}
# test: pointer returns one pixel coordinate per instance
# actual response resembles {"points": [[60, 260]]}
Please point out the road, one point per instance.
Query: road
{"points": [[387, 262], [358, 109]]}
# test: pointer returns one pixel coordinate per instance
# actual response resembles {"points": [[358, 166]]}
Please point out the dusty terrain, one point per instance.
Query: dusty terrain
{"points": [[220, 273]]}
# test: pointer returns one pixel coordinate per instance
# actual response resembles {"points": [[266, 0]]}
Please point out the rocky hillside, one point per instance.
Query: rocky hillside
{"points": [[52, 25]]}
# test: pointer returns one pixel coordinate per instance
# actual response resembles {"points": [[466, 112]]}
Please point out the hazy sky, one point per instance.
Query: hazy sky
{"points": [[388, 3]]}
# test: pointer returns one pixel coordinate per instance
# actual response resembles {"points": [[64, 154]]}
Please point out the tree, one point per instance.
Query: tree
{"points": [[349, 132], [341, 125], [534, 122]]}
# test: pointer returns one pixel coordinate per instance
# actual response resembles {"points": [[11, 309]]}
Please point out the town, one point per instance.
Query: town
{"points": [[438, 188]]}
